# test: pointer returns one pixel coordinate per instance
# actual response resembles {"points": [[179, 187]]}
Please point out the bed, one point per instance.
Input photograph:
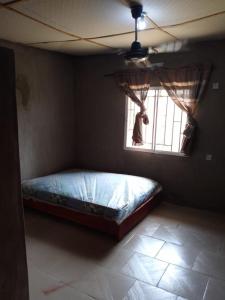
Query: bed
{"points": [[112, 203]]}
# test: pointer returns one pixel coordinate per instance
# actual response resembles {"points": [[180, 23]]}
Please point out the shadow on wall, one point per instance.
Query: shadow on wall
{"points": [[22, 91]]}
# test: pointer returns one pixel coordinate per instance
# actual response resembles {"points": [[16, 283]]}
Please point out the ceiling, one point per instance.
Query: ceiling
{"points": [[85, 27]]}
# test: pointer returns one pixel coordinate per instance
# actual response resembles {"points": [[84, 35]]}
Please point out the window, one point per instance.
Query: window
{"points": [[166, 123]]}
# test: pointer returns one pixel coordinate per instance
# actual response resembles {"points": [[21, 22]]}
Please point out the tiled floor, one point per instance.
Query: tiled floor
{"points": [[175, 253]]}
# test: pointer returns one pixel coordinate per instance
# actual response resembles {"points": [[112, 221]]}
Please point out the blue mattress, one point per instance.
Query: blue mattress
{"points": [[113, 196]]}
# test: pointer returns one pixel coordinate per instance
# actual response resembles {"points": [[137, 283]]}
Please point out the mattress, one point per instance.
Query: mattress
{"points": [[112, 196]]}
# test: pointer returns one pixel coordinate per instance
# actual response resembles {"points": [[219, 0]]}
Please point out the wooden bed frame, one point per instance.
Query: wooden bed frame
{"points": [[97, 222]]}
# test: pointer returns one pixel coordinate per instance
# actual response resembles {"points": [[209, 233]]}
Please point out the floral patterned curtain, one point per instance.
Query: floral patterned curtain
{"points": [[185, 86], [135, 84]]}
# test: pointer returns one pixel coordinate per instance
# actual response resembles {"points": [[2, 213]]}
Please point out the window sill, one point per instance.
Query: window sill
{"points": [[157, 152]]}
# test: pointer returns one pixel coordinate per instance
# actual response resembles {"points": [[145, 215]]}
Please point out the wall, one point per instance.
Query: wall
{"points": [[100, 113], [13, 271], [46, 110]]}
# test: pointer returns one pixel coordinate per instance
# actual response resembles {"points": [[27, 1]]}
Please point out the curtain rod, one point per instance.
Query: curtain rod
{"points": [[152, 68], [128, 70]]}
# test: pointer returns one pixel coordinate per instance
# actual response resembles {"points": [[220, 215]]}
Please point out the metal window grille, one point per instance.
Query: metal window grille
{"points": [[167, 122]]}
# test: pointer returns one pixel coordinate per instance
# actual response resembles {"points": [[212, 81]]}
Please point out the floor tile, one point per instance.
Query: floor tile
{"points": [[115, 259], [44, 254], [71, 268], [183, 282], [144, 268], [166, 214], [215, 290], [66, 293], [221, 247], [168, 234], [143, 291], [178, 255], [199, 237], [43, 287], [147, 227], [39, 281], [145, 245], [60, 256], [211, 264], [105, 285]]}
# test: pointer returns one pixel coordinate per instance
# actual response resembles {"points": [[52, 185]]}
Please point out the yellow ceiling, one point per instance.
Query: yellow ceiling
{"points": [[102, 26]]}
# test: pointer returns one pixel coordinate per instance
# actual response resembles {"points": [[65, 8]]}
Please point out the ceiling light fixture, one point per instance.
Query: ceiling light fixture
{"points": [[141, 25]]}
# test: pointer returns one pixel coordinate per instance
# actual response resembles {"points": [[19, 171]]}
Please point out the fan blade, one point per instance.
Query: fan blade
{"points": [[119, 51], [157, 65], [138, 63]]}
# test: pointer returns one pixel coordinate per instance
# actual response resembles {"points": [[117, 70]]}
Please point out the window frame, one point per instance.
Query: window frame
{"points": [[158, 152]]}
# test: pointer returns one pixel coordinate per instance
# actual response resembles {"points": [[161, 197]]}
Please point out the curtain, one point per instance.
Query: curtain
{"points": [[135, 84], [185, 86]]}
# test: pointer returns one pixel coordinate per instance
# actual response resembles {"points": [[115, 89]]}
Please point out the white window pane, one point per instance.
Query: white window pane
{"points": [[145, 146], [166, 123], [169, 122], [161, 119], [177, 115], [176, 137], [163, 93], [183, 124], [148, 129], [129, 139], [163, 148], [160, 130], [162, 103], [181, 139], [151, 92], [184, 121]]}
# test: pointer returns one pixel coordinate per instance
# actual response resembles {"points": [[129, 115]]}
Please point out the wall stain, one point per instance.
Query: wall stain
{"points": [[23, 90]]}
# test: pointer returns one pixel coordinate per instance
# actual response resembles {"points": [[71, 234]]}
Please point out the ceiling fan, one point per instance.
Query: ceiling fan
{"points": [[137, 56]]}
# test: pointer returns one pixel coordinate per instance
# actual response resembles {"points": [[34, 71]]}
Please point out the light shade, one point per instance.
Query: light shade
{"points": [[141, 22]]}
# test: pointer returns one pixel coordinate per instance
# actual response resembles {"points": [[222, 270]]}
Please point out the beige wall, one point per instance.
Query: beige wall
{"points": [[46, 110], [100, 113]]}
